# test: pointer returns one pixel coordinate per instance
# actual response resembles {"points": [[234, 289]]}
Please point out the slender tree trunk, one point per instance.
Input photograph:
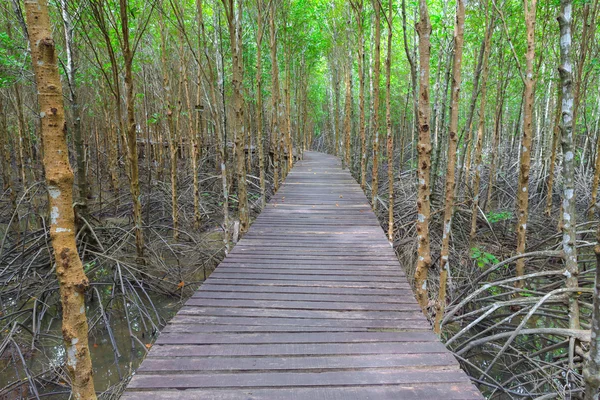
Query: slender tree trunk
{"points": [[555, 141], [288, 107], [566, 128], [59, 179], [413, 80], [424, 161], [274, 97], [233, 9], [526, 141], [358, 9], [70, 68], [480, 133], [173, 145], [348, 113], [259, 104], [131, 137], [459, 29], [211, 78], [375, 115], [466, 153], [497, 133], [388, 122]]}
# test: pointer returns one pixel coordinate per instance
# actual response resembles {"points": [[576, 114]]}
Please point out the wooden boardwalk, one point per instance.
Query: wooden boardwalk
{"points": [[311, 304]]}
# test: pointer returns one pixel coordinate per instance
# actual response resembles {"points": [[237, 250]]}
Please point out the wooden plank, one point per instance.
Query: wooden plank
{"points": [[301, 305], [425, 391], [267, 338], [297, 349], [296, 363], [298, 379]]}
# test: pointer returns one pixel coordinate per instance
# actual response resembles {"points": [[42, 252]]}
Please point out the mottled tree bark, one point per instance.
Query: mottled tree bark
{"points": [[424, 160], [59, 179], [274, 97], [526, 140], [566, 128], [131, 135], [459, 29], [172, 140], [375, 116], [358, 6], [233, 10], [259, 104], [388, 123]]}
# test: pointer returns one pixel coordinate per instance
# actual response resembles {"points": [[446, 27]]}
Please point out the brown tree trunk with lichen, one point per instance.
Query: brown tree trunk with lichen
{"points": [[274, 97], [459, 29], [480, 131], [131, 135], [424, 159], [259, 104], [172, 132], [388, 123], [526, 140], [59, 179], [211, 77], [288, 108], [233, 9], [358, 6], [375, 116]]}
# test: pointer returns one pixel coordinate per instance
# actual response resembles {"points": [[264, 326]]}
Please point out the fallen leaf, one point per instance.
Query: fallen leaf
{"points": [[148, 345], [341, 197], [337, 205], [181, 285]]}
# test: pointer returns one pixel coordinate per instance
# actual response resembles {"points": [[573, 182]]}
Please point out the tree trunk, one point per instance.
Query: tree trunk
{"points": [[500, 90], [480, 131], [173, 145], [388, 122], [131, 135], [259, 104], [459, 29], [348, 113], [375, 115], [59, 179], [70, 69], [274, 97], [358, 9], [526, 141], [424, 160], [468, 125], [233, 10], [566, 128], [555, 140]]}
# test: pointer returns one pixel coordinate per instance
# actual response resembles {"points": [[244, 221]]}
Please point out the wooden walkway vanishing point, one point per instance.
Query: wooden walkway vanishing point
{"points": [[311, 304]]}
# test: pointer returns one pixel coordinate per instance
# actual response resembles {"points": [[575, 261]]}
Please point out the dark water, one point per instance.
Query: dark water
{"points": [[114, 357]]}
